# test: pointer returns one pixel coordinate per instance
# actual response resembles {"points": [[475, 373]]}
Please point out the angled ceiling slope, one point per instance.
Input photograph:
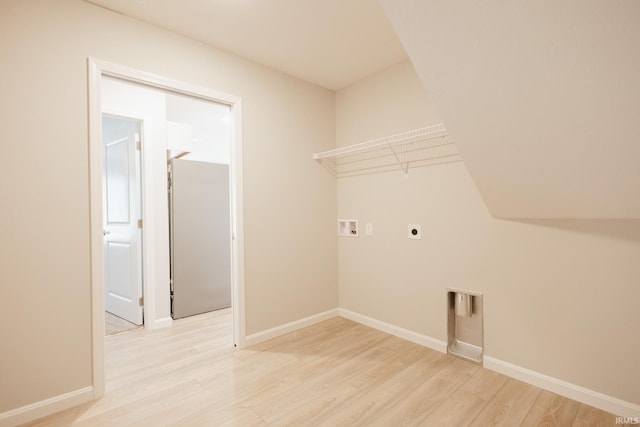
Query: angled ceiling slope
{"points": [[331, 43], [541, 97]]}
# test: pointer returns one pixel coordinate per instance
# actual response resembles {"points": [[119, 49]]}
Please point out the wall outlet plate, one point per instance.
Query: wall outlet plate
{"points": [[369, 229], [414, 231]]}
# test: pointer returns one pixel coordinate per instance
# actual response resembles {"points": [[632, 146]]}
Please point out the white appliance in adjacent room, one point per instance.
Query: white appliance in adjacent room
{"points": [[200, 235]]}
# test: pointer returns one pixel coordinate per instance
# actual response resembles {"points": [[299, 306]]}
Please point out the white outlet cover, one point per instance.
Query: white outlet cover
{"points": [[414, 231]]}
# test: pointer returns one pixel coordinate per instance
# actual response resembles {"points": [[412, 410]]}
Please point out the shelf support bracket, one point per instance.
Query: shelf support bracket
{"points": [[405, 169]]}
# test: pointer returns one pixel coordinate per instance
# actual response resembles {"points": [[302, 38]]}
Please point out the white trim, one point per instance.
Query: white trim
{"points": [[46, 407], [290, 327], [153, 80], [584, 395], [406, 334], [237, 226], [164, 322], [95, 216], [96, 70]]}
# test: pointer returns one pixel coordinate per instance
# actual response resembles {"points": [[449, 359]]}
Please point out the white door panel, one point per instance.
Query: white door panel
{"points": [[117, 182], [118, 256], [121, 210]]}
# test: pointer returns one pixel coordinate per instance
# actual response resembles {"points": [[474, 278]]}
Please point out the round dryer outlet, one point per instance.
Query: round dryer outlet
{"points": [[414, 231]]}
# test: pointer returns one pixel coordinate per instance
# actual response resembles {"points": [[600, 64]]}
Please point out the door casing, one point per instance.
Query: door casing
{"points": [[97, 69]]}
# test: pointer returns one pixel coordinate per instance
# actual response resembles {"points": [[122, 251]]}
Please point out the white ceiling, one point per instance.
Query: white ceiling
{"points": [[541, 97], [331, 43]]}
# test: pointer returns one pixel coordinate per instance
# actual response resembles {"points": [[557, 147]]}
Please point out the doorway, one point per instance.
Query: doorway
{"points": [[155, 238]]}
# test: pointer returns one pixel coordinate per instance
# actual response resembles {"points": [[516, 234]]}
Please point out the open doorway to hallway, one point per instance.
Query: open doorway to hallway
{"points": [[161, 106], [195, 137]]}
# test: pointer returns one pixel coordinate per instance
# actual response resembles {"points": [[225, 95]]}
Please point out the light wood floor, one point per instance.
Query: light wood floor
{"points": [[335, 373], [116, 325]]}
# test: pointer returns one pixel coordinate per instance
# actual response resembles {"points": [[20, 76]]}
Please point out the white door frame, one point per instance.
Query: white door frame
{"points": [[96, 70]]}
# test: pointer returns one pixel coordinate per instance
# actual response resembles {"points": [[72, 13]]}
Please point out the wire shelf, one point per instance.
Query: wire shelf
{"points": [[421, 147]]}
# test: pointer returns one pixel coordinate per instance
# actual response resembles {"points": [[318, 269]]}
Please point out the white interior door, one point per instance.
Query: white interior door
{"points": [[121, 212]]}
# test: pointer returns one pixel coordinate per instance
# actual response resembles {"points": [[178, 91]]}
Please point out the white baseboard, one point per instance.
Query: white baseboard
{"points": [[46, 407], [289, 327], [397, 331], [593, 398], [164, 322]]}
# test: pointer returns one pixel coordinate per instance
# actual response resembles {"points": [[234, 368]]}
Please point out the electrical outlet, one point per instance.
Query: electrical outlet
{"points": [[414, 232]]}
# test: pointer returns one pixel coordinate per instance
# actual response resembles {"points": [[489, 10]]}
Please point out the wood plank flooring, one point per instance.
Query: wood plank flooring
{"points": [[335, 373], [116, 325]]}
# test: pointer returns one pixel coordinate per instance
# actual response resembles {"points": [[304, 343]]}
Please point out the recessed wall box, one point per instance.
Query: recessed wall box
{"points": [[465, 325], [348, 227]]}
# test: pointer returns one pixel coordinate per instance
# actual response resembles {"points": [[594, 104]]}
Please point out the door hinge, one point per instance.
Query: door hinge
{"points": [[138, 145], [139, 223], [141, 302]]}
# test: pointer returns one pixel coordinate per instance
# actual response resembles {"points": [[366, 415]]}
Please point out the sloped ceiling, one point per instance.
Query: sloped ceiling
{"points": [[541, 97], [331, 43]]}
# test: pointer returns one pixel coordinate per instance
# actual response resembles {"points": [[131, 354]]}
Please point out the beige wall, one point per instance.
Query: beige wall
{"points": [[290, 203], [560, 297], [532, 90]]}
